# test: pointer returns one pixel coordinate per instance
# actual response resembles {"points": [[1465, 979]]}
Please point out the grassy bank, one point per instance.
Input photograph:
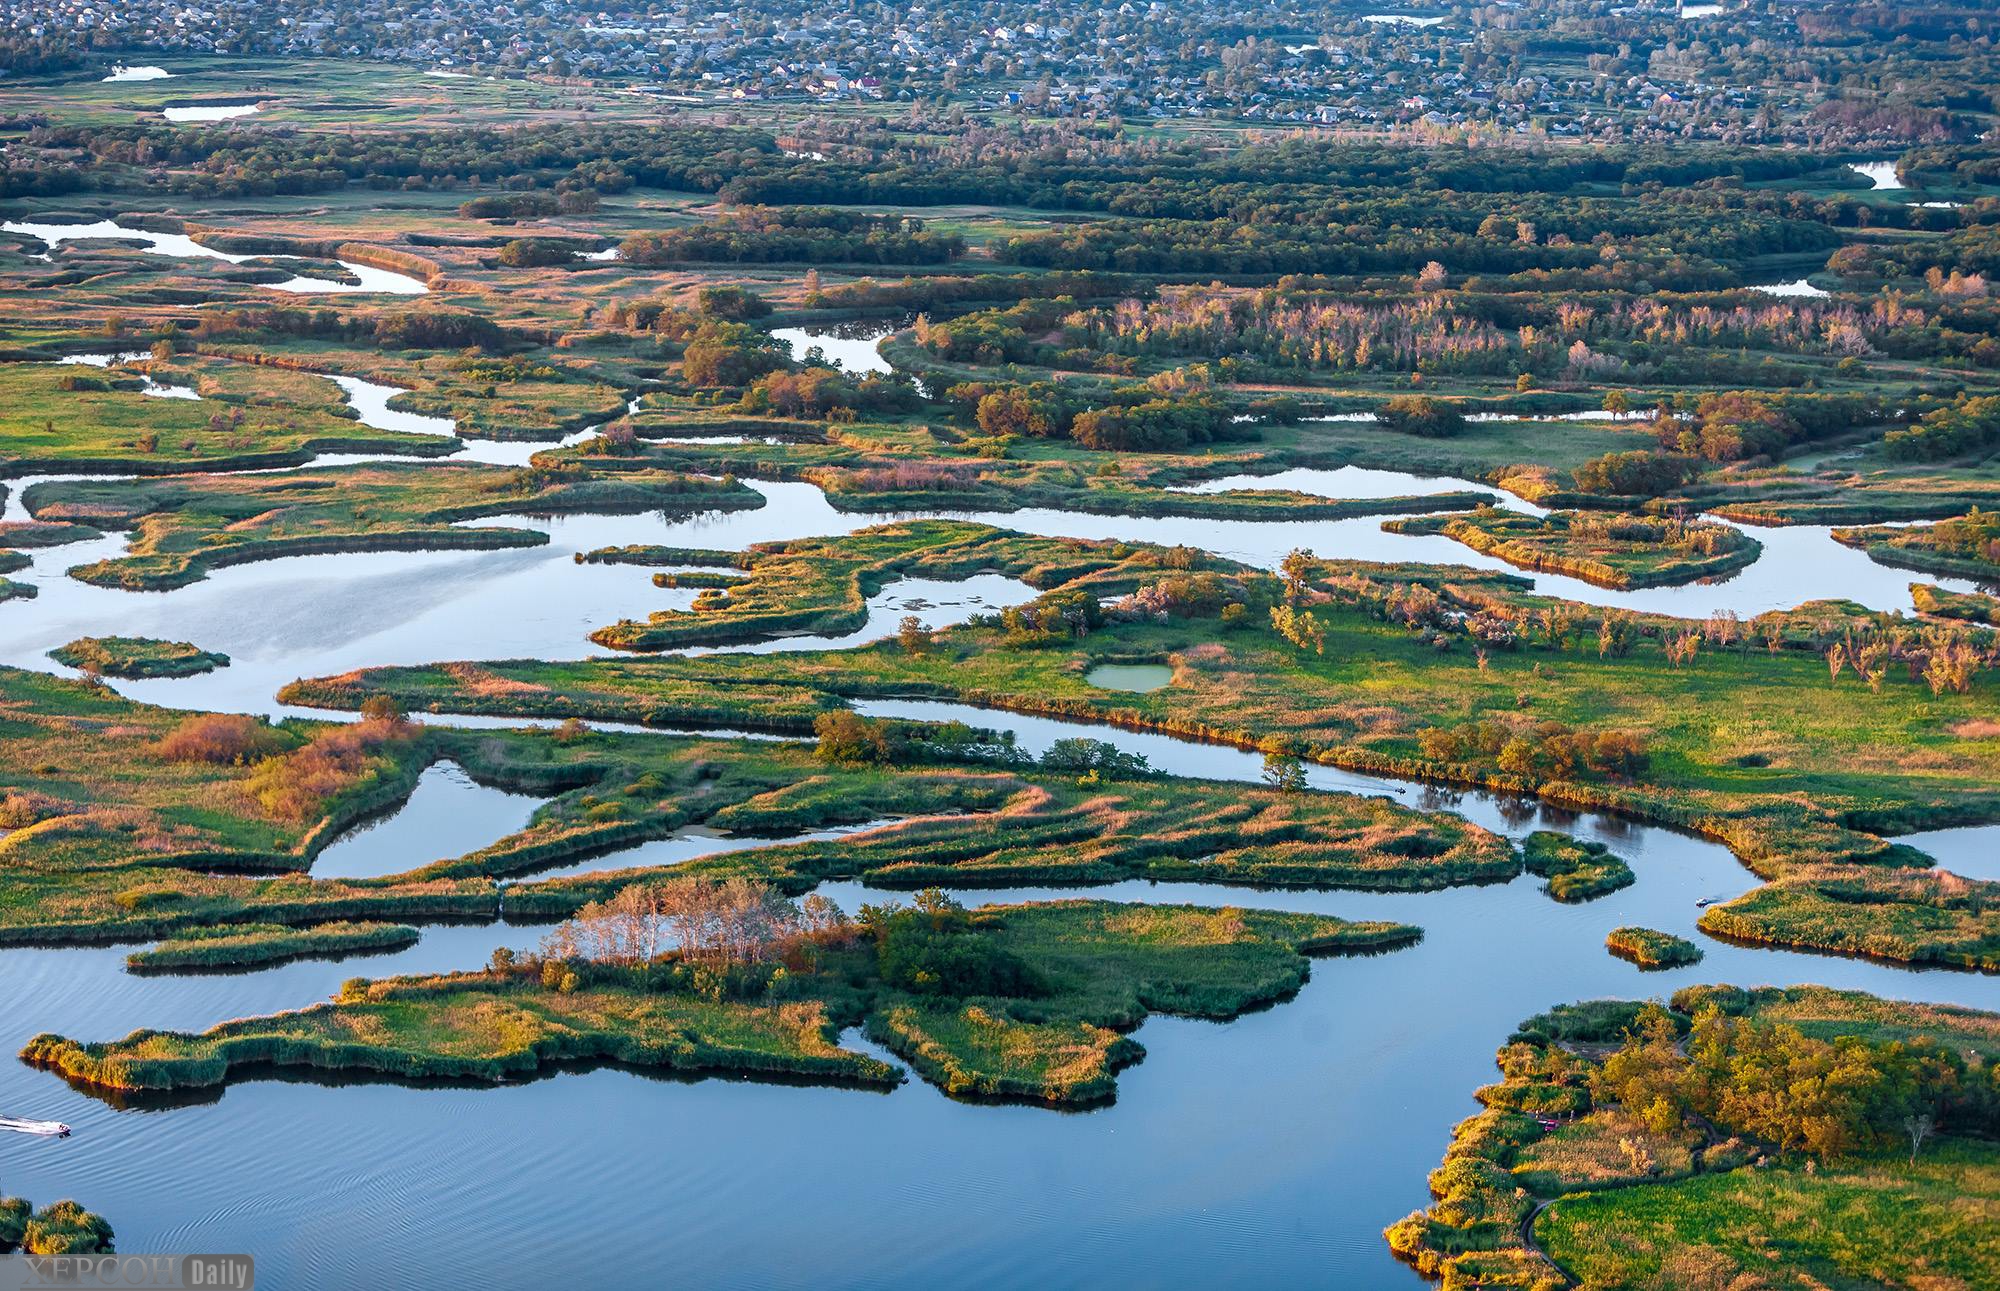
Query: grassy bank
{"points": [[1618, 551], [1562, 1180], [162, 822], [1085, 973], [137, 657], [254, 945]]}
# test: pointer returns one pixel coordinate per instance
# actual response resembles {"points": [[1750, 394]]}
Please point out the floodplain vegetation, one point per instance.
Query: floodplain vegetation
{"points": [[1720, 726], [188, 827], [1111, 316], [137, 657], [64, 1228], [1799, 1137], [1029, 1002]]}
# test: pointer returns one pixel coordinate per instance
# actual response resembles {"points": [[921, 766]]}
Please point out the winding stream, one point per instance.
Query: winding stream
{"points": [[180, 245]]}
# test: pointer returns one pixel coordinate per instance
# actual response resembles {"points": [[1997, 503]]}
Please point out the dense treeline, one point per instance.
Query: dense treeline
{"points": [[1607, 338], [797, 235], [1772, 1082], [1969, 426], [1286, 181], [226, 162], [1186, 181], [937, 291]]}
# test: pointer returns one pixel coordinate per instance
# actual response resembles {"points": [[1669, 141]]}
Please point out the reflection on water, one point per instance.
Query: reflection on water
{"points": [[849, 346], [447, 815], [1972, 851], [1882, 174], [1796, 287], [210, 112], [695, 841], [1134, 678], [182, 246], [148, 383], [1266, 1151]]}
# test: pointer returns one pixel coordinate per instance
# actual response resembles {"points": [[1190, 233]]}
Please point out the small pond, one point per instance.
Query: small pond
{"points": [[1136, 678]]}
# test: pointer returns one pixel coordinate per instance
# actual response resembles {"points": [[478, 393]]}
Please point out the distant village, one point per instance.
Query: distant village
{"points": [[1593, 70]]}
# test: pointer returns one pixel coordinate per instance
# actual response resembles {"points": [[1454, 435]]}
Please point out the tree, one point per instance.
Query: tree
{"points": [[1416, 414], [535, 253], [1918, 1125], [846, 736], [913, 635], [1297, 569], [1284, 772], [733, 303]]}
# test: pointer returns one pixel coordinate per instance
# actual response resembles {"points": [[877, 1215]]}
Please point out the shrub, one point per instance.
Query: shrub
{"points": [[1636, 474], [935, 949], [226, 739], [1421, 415], [535, 253]]}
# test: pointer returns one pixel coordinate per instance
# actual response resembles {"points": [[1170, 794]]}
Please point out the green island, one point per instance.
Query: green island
{"points": [[1026, 1002], [822, 586], [71, 418], [1575, 870], [64, 1228], [1651, 948], [1609, 550], [239, 946], [1809, 1135], [1965, 547], [138, 657]]}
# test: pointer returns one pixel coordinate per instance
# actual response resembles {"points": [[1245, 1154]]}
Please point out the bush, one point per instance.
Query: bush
{"points": [[935, 949], [1637, 473], [848, 737], [732, 303], [225, 739], [535, 253], [1421, 415]]}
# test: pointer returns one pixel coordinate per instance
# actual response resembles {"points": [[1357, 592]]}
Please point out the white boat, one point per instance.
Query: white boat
{"points": [[19, 1126]]}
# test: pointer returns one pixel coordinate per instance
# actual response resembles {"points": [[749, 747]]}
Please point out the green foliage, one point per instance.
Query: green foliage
{"points": [[1636, 473], [933, 949], [64, 1228], [1650, 948], [1576, 870], [137, 657]]}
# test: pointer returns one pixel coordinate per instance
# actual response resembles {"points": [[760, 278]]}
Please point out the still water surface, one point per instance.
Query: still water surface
{"points": [[1263, 1152]]}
